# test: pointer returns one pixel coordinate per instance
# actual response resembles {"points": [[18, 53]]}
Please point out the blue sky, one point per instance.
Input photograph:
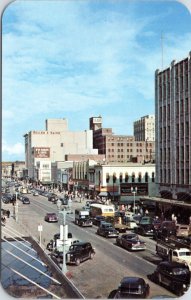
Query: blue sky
{"points": [[78, 59]]}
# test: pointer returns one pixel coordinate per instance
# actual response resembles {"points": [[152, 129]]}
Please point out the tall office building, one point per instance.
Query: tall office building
{"points": [[173, 130], [144, 128]]}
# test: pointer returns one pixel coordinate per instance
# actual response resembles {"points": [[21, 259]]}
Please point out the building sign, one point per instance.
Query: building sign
{"points": [[142, 188], [41, 152], [45, 132]]}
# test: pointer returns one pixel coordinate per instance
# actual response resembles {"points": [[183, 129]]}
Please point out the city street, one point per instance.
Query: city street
{"points": [[94, 278]]}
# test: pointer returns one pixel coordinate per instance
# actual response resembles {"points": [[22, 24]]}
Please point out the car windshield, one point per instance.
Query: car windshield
{"points": [[180, 271], [132, 237], [75, 247], [145, 221]]}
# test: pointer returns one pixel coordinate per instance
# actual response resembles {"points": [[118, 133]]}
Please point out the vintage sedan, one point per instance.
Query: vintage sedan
{"points": [[130, 241], [25, 200], [132, 287], [51, 217]]}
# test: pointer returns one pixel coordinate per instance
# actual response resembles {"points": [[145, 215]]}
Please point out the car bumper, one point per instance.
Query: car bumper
{"points": [[136, 248]]}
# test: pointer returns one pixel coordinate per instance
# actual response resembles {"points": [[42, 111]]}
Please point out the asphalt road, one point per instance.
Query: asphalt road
{"points": [[94, 278]]}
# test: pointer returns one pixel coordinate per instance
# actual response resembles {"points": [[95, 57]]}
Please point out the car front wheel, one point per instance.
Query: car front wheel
{"points": [[77, 262]]}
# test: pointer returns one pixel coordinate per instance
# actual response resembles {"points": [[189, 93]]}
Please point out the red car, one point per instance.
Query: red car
{"points": [[130, 241], [51, 217]]}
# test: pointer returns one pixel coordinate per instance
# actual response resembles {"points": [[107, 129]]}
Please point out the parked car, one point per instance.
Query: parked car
{"points": [[166, 230], [53, 198], [130, 223], [173, 275], [145, 226], [78, 252], [51, 217], [132, 287], [25, 200], [35, 193], [107, 230], [130, 241], [97, 220], [183, 230], [7, 198]]}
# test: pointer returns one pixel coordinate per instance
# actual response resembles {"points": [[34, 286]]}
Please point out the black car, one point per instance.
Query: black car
{"points": [[166, 230], [25, 200], [132, 287], [173, 275], [97, 220], [78, 252], [53, 198], [7, 198], [107, 230], [145, 226]]}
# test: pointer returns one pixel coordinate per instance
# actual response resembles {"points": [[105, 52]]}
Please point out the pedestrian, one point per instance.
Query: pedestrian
{"points": [[146, 212], [3, 220], [8, 213]]}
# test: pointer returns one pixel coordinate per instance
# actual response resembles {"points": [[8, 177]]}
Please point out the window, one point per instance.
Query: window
{"points": [[133, 177], [114, 178], [146, 177], [45, 166], [107, 177], [153, 177], [139, 177], [126, 177], [121, 177]]}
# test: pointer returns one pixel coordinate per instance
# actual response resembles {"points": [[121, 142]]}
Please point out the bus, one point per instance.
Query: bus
{"points": [[97, 209]]}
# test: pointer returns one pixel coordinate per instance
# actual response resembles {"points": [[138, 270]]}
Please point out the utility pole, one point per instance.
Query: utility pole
{"points": [[63, 233], [134, 191]]}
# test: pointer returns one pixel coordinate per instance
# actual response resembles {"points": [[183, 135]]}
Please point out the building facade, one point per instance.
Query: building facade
{"points": [[173, 130], [53, 144], [144, 129], [121, 148], [115, 181]]}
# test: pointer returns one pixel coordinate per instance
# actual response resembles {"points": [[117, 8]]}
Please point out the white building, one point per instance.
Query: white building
{"points": [[53, 144], [116, 180], [144, 129]]}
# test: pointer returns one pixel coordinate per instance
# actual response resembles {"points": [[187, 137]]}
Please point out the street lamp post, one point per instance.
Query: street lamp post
{"points": [[134, 191], [63, 233]]}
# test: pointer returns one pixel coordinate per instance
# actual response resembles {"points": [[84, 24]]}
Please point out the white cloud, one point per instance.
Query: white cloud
{"points": [[72, 57], [16, 149]]}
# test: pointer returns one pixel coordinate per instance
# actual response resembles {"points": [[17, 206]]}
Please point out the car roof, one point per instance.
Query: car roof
{"points": [[80, 243], [173, 264], [130, 280]]}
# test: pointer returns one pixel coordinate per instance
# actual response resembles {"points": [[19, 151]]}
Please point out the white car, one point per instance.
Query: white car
{"points": [[35, 193]]}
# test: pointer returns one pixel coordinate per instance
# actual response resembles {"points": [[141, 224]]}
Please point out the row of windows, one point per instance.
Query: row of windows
{"points": [[132, 144], [131, 178], [181, 153], [182, 130], [120, 139], [182, 176]]}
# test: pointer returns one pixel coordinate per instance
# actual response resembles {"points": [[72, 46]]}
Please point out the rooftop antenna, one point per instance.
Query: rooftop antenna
{"points": [[162, 39]]}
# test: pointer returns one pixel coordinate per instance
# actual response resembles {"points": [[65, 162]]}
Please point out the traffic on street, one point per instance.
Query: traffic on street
{"points": [[99, 255]]}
